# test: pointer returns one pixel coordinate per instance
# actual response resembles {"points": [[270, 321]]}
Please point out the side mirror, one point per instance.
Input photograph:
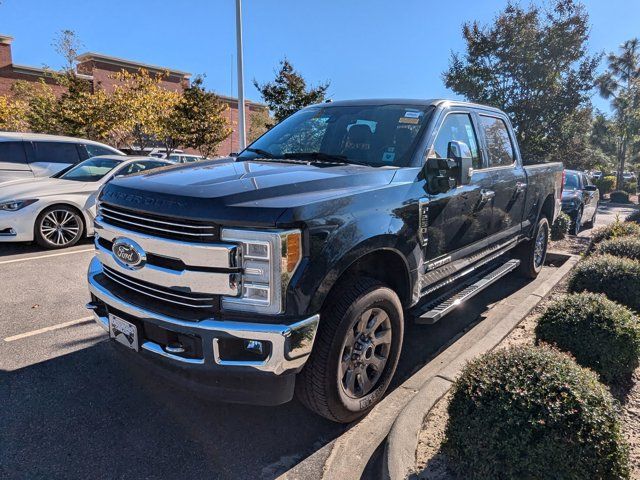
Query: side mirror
{"points": [[590, 188], [460, 153]]}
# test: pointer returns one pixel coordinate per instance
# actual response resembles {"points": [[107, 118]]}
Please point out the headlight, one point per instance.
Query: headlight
{"points": [[13, 205], [268, 260]]}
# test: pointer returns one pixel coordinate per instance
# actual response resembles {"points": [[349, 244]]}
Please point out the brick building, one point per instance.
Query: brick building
{"points": [[99, 70]]}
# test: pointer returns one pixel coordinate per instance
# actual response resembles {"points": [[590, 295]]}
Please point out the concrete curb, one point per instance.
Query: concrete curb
{"points": [[436, 378]]}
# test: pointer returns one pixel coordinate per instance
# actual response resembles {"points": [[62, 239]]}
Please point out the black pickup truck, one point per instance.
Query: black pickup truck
{"points": [[293, 267]]}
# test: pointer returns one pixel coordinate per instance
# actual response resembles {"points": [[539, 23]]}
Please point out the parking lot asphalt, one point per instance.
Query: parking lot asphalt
{"points": [[72, 407]]}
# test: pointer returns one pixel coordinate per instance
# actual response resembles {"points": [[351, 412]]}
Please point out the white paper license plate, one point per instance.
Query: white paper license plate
{"points": [[124, 332]]}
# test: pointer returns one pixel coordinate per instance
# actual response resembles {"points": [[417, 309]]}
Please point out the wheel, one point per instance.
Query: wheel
{"points": [[576, 225], [533, 252], [356, 351], [58, 227]]}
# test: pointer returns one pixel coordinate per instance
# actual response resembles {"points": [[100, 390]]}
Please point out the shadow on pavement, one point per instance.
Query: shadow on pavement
{"points": [[90, 414], [19, 248]]}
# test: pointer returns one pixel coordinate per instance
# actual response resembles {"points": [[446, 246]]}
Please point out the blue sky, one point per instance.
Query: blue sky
{"points": [[366, 48]]}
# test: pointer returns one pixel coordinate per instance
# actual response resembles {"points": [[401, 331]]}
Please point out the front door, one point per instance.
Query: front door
{"points": [[458, 220]]}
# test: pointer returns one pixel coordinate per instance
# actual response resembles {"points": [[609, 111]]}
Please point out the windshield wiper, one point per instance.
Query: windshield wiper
{"points": [[259, 151], [323, 157]]}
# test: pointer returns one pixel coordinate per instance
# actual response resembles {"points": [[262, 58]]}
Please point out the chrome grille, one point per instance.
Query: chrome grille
{"points": [[174, 297], [158, 225]]}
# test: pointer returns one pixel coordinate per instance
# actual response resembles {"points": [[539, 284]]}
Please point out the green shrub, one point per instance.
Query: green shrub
{"points": [[533, 413], [619, 196], [614, 230], [605, 184], [560, 226], [628, 247], [599, 333], [631, 188], [633, 217], [618, 278]]}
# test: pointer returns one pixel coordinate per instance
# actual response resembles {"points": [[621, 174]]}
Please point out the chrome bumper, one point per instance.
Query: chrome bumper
{"points": [[290, 344]]}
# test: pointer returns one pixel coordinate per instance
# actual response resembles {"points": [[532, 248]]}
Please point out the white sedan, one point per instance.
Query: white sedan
{"points": [[58, 211]]}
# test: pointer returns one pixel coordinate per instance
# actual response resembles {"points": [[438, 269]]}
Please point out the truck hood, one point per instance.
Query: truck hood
{"points": [[243, 193], [43, 187]]}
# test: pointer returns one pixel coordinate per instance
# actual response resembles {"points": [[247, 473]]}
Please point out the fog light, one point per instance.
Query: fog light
{"points": [[254, 346]]}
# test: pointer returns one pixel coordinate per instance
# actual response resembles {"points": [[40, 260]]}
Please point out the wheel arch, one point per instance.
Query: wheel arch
{"points": [[383, 263]]}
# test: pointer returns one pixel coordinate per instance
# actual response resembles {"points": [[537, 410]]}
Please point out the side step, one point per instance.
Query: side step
{"points": [[440, 306]]}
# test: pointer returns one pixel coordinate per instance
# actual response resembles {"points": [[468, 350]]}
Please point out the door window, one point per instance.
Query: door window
{"points": [[457, 127], [499, 145], [55, 152], [12, 152]]}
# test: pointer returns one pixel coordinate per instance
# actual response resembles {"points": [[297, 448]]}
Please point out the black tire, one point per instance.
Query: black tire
{"points": [[530, 263], [46, 230], [576, 224], [320, 386]]}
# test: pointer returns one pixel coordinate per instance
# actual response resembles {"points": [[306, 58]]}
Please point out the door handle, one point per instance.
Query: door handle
{"points": [[487, 194], [520, 187]]}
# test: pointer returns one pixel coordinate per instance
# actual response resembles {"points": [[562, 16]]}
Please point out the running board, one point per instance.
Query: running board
{"points": [[444, 304]]}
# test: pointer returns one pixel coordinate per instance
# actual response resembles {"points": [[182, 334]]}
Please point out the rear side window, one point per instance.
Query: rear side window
{"points": [[55, 152], [12, 152], [95, 150], [499, 146]]}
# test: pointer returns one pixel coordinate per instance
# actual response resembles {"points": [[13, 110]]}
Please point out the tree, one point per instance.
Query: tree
{"points": [[288, 92], [42, 106], [196, 120], [259, 123], [13, 114], [531, 63], [621, 84]]}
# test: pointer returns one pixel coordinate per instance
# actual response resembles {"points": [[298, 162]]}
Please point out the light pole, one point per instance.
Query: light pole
{"points": [[242, 136]]}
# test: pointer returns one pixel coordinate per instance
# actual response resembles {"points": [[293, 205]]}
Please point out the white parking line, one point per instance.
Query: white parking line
{"points": [[46, 329], [46, 256]]}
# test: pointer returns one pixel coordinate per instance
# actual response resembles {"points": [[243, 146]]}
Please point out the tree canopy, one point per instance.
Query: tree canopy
{"points": [[289, 92], [532, 63]]}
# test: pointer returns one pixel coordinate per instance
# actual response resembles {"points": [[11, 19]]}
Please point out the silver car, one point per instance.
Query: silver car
{"points": [[29, 155]]}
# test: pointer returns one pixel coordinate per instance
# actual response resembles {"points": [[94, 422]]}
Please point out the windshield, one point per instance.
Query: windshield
{"points": [[91, 170], [571, 181], [376, 135]]}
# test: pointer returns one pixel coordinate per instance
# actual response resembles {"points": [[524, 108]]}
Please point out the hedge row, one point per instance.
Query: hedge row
{"points": [[533, 412]]}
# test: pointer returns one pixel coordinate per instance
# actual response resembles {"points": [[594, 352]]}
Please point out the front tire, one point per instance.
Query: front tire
{"points": [[533, 253], [58, 226], [356, 351]]}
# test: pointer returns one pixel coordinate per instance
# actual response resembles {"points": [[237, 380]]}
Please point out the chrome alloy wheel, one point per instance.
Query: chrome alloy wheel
{"points": [[365, 353], [540, 247], [60, 227]]}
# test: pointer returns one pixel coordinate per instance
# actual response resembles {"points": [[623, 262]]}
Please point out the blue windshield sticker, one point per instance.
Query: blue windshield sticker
{"points": [[389, 155]]}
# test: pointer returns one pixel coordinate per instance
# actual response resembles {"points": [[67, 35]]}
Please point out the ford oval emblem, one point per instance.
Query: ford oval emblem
{"points": [[128, 253]]}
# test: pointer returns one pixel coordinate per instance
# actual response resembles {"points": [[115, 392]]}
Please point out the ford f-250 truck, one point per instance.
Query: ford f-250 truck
{"points": [[294, 266]]}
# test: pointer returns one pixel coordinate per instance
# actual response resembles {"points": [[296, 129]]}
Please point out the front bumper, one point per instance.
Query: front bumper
{"points": [[18, 226], [289, 344]]}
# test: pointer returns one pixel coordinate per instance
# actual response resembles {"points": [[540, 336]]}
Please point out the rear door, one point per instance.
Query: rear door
{"points": [[13, 161], [509, 180], [48, 158]]}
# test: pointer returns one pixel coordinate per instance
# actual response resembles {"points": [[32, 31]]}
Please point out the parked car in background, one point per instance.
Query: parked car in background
{"points": [[56, 212], [337, 224], [580, 198], [29, 155], [184, 158], [596, 175]]}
